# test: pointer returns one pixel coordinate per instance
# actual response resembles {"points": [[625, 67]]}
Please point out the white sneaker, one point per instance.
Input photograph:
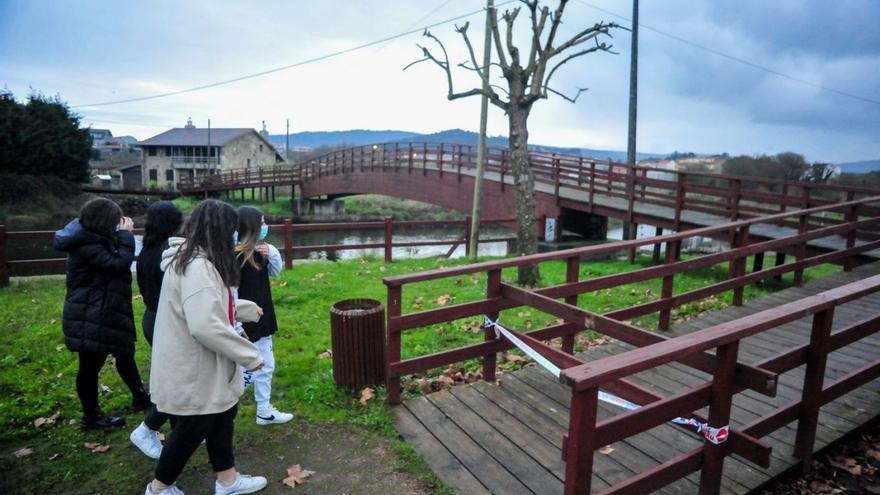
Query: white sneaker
{"points": [[273, 417], [147, 441], [171, 490], [242, 484]]}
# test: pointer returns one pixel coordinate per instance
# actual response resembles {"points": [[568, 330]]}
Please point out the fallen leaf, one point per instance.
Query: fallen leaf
{"points": [[52, 322], [105, 388], [72, 422], [96, 447], [46, 421], [58, 348], [278, 283], [296, 475], [513, 358], [366, 395], [59, 375], [137, 297], [443, 300], [54, 456], [443, 381], [524, 314], [847, 464], [23, 452], [381, 268], [606, 450], [326, 354]]}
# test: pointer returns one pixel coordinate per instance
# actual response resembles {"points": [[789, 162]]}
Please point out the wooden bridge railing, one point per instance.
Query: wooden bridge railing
{"points": [[572, 178], [17, 267], [729, 374]]}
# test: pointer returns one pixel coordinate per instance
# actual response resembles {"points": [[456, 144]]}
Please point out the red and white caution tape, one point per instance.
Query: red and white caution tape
{"points": [[714, 435]]}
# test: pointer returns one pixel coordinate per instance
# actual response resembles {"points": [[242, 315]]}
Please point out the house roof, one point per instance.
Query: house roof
{"points": [[181, 136], [192, 136]]}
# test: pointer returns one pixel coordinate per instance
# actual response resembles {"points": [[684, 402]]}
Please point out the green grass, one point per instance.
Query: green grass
{"points": [[38, 372], [372, 205], [279, 207]]}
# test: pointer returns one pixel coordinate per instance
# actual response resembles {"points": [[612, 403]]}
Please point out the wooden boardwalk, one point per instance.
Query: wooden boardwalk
{"points": [[506, 438]]}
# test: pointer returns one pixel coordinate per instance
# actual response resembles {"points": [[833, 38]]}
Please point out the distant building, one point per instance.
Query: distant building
{"points": [[195, 152]]}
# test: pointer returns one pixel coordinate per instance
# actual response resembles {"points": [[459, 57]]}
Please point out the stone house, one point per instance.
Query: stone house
{"points": [[197, 152]]}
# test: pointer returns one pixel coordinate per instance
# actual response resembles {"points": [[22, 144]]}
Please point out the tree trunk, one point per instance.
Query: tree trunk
{"points": [[524, 178]]}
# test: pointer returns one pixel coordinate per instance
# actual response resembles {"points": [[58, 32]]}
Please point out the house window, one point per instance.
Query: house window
{"points": [[249, 163], [152, 150], [169, 175], [168, 151], [154, 174], [261, 148]]}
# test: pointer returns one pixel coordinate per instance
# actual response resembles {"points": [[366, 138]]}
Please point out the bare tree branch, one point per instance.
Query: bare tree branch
{"points": [[510, 17], [569, 98], [597, 48], [555, 20], [585, 35], [496, 35], [444, 64], [467, 41], [537, 30]]}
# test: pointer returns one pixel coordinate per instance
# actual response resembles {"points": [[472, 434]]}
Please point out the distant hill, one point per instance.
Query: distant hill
{"points": [[862, 167], [454, 136], [356, 137]]}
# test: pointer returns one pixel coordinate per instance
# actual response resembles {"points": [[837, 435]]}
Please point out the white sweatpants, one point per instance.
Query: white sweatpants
{"points": [[262, 378]]}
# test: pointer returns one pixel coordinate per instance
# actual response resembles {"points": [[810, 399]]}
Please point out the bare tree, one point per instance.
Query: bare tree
{"points": [[528, 80]]}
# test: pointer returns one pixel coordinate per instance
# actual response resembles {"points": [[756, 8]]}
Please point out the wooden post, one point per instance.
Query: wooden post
{"points": [[388, 235], [592, 186], [811, 395], [493, 290], [738, 265], [719, 416], [633, 233], [666, 289], [579, 446], [780, 260], [288, 243], [392, 344], [410, 154], [467, 236], [4, 261], [657, 233], [580, 170], [851, 216], [556, 178], [801, 250], [440, 160], [734, 199], [572, 273], [758, 264]]}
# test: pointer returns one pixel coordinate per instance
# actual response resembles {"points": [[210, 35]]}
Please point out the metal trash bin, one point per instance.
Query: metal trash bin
{"points": [[357, 331]]}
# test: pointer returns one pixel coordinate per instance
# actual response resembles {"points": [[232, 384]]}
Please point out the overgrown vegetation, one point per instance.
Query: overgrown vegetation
{"points": [[39, 377]]}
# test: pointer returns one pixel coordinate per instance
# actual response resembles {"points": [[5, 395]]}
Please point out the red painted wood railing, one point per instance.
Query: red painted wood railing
{"points": [[15, 267], [730, 376]]}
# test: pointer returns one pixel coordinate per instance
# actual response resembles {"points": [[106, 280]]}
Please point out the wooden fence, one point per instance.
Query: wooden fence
{"points": [[729, 376], [17, 267]]}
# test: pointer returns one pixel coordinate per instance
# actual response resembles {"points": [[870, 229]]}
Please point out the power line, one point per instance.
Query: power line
{"points": [[734, 58], [285, 67]]}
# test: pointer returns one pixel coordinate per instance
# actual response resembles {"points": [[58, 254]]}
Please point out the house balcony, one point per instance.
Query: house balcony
{"points": [[194, 162]]}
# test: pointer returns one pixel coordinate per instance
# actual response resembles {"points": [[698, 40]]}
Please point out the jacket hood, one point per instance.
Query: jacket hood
{"points": [[174, 244], [74, 235]]}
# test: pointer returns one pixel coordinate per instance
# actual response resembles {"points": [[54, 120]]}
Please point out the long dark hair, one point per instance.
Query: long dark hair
{"points": [[208, 232], [250, 221], [163, 221], [101, 216]]}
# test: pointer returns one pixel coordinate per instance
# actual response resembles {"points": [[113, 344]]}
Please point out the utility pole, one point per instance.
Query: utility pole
{"points": [[474, 243], [211, 166], [629, 228], [287, 143]]}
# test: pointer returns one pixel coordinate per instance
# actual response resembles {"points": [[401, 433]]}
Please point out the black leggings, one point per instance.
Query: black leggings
{"points": [[189, 431], [90, 364], [154, 419]]}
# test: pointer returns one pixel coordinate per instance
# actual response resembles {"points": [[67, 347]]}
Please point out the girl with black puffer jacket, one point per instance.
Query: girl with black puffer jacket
{"points": [[98, 319]]}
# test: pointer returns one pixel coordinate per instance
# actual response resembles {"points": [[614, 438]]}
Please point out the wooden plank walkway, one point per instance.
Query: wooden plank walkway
{"points": [[506, 438]]}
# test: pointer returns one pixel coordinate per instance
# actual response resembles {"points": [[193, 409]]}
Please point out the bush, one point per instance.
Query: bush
{"points": [[16, 188]]}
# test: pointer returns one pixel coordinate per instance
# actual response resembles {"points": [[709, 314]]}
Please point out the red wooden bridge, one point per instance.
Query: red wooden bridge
{"points": [[718, 404], [571, 189]]}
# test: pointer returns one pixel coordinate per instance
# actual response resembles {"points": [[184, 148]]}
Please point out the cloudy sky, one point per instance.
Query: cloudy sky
{"points": [[690, 99]]}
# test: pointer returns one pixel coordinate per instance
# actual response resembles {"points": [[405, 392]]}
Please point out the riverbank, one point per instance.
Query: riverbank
{"points": [[350, 445]]}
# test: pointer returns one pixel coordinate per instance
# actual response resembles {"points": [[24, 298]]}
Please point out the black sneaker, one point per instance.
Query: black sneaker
{"points": [[101, 422]]}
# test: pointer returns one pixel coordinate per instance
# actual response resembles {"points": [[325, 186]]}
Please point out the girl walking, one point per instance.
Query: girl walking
{"points": [[197, 355], [259, 260], [163, 221], [98, 319]]}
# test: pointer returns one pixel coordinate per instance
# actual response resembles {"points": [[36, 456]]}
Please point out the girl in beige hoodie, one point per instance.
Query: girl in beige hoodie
{"points": [[196, 370]]}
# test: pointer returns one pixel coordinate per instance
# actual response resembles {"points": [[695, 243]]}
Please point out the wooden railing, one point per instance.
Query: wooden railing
{"points": [[730, 376], [17, 267], [572, 178]]}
